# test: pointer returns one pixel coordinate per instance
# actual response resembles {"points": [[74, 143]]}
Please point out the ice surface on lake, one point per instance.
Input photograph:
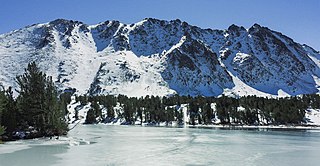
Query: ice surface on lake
{"points": [[130, 145]]}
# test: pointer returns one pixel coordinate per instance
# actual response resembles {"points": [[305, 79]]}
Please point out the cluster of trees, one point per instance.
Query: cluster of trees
{"points": [[37, 110], [249, 110], [258, 110], [149, 109]]}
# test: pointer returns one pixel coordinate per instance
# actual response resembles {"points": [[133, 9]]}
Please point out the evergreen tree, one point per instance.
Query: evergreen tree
{"points": [[194, 110], [2, 130], [55, 112], [7, 110], [10, 113], [96, 108], [207, 113], [65, 99], [31, 98], [38, 103], [2, 103], [2, 108], [90, 118]]}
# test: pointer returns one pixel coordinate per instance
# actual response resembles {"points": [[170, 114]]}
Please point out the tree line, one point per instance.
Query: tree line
{"points": [[247, 110], [37, 111]]}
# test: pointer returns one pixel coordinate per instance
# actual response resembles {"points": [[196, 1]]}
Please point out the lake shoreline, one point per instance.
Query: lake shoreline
{"points": [[297, 127], [225, 126], [212, 126]]}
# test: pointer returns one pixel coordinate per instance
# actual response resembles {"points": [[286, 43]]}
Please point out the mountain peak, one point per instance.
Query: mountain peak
{"points": [[256, 25], [159, 57], [151, 19], [64, 21], [236, 29], [256, 28]]}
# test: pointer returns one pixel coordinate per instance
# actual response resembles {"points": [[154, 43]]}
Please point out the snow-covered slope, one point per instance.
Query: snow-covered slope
{"points": [[158, 57]]}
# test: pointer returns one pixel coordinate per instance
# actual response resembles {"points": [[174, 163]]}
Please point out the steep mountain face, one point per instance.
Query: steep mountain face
{"points": [[192, 68], [157, 57]]}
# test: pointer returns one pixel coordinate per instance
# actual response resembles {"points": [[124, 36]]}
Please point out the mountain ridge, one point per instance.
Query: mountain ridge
{"points": [[159, 57]]}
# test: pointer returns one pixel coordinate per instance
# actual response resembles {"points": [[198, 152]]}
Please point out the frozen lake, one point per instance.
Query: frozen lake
{"points": [[129, 145]]}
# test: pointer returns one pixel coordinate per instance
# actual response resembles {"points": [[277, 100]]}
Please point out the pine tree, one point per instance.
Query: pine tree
{"points": [[55, 122], [96, 108], [194, 110], [2, 131], [38, 103], [32, 96], [65, 99], [3, 111], [10, 113], [207, 113], [2, 103], [90, 118]]}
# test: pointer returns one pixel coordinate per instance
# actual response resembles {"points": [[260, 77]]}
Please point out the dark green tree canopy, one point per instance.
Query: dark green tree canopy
{"points": [[37, 109], [38, 101]]}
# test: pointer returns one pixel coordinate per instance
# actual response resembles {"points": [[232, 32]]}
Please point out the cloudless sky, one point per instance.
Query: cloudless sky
{"points": [[298, 19]]}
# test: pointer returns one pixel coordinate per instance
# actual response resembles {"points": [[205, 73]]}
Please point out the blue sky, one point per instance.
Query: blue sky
{"points": [[298, 19]]}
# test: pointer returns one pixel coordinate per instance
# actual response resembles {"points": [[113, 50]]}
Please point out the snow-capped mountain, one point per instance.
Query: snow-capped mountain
{"points": [[158, 57]]}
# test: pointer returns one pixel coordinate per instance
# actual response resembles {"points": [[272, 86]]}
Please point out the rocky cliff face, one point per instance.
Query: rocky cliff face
{"points": [[158, 57]]}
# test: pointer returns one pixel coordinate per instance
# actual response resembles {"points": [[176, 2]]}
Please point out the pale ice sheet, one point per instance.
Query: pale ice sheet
{"points": [[129, 145]]}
